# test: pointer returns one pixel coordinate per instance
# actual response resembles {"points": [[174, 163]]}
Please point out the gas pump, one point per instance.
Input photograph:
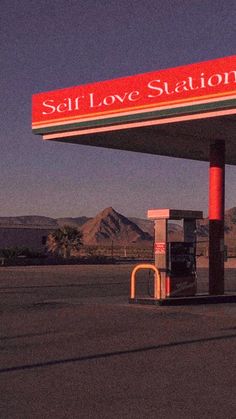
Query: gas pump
{"points": [[176, 261]]}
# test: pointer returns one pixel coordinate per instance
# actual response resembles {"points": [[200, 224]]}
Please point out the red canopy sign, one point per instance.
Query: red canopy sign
{"points": [[184, 90]]}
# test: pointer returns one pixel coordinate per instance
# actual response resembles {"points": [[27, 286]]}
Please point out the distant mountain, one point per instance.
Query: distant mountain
{"points": [[109, 226], [230, 224], [41, 221], [230, 220], [202, 229], [147, 226], [29, 220], [73, 222]]}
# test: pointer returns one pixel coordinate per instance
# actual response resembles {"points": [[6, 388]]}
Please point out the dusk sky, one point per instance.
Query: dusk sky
{"points": [[51, 44]]}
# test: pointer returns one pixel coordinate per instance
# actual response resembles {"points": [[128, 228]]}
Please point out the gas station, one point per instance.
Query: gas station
{"points": [[185, 112]]}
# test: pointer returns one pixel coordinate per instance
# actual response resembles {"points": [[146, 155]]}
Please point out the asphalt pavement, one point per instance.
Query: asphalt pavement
{"points": [[72, 347]]}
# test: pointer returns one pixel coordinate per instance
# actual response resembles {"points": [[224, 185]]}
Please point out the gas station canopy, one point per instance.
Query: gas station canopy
{"points": [[177, 112], [187, 112]]}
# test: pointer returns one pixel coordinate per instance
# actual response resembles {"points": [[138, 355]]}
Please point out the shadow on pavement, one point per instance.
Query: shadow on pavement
{"points": [[111, 354], [28, 335]]}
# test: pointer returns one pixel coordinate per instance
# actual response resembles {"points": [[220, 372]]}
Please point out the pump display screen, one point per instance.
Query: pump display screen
{"points": [[182, 256]]}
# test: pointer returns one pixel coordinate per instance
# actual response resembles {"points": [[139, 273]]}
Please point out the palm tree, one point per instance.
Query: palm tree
{"points": [[63, 240]]}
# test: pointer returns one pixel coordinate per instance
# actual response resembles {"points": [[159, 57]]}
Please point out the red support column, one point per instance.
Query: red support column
{"points": [[216, 218]]}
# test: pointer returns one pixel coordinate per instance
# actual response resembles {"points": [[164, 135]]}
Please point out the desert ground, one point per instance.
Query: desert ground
{"points": [[72, 347]]}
